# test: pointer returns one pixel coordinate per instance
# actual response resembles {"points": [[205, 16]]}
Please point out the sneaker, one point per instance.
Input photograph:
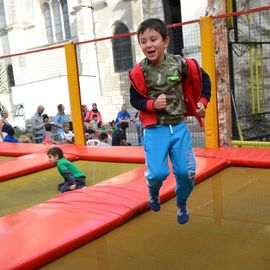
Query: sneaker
{"points": [[182, 214], [81, 186], [153, 202]]}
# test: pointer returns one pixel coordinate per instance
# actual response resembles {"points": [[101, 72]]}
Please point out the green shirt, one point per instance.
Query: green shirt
{"points": [[64, 164], [167, 79]]}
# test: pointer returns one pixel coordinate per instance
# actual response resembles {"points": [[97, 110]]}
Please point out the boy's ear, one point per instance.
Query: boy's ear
{"points": [[166, 41]]}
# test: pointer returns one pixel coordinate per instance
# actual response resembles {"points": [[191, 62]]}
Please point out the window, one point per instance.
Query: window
{"points": [[2, 15], [66, 18], [10, 75], [48, 23], [122, 52], [56, 20], [172, 12]]}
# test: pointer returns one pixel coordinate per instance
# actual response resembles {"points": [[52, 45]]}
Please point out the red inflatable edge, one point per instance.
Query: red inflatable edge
{"points": [[20, 149], [126, 154], [26, 164], [250, 157], [53, 228]]}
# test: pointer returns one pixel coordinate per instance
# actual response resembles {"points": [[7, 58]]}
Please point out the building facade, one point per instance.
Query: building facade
{"points": [[41, 77]]}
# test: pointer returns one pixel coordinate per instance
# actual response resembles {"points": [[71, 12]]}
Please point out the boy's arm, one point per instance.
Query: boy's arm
{"points": [[205, 95], [206, 89], [140, 102]]}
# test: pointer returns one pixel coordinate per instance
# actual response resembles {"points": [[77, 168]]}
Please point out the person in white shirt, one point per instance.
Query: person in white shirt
{"points": [[95, 122], [103, 137], [67, 136]]}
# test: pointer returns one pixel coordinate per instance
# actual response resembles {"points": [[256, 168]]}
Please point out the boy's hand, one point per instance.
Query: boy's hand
{"points": [[160, 103], [200, 109]]}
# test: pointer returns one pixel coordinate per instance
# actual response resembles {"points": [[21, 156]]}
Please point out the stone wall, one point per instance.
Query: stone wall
{"points": [[222, 71]]}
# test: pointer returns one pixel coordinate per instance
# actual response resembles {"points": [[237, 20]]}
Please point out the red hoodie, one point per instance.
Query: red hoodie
{"points": [[192, 90]]}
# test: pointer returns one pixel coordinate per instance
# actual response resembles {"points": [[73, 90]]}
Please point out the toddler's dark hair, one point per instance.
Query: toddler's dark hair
{"points": [[45, 116], [103, 136], [48, 127], [65, 124], [56, 151], [153, 23]]}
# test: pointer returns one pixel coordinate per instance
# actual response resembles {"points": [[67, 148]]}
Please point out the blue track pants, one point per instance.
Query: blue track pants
{"points": [[174, 141]]}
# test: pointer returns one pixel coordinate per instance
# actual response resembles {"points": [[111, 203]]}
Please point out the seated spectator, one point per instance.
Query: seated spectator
{"points": [[67, 136], [88, 130], [89, 116], [45, 118], [103, 138], [1, 133], [119, 137], [94, 122], [84, 110], [123, 117], [4, 123], [101, 127], [109, 133], [10, 136], [113, 126], [49, 137]]}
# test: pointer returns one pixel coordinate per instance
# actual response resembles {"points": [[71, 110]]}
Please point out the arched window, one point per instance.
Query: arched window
{"points": [[66, 18], [122, 52], [57, 20], [2, 15], [48, 22]]}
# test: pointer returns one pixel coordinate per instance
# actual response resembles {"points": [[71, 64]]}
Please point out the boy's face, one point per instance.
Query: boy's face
{"points": [[66, 128], [53, 159], [153, 45]]}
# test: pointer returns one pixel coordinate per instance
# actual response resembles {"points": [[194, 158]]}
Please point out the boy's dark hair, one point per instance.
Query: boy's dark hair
{"points": [[103, 136], [153, 23], [59, 107], [45, 116], [48, 127], [123, 125], [65, 124], [56, 151]]}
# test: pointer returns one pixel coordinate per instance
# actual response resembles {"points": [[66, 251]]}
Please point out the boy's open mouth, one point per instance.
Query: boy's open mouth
{"points": [[151, 52]]}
